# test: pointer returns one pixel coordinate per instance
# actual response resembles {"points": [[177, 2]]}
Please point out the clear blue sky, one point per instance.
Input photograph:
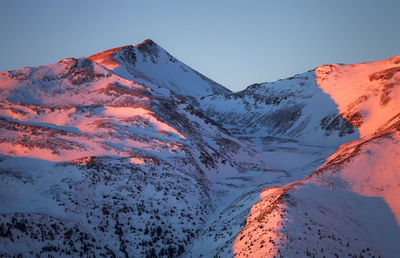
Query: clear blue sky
{"points": [[236, 43]]}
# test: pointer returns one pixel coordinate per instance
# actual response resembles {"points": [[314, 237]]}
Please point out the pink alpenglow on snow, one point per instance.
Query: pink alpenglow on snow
{"points": [[132, 153]]}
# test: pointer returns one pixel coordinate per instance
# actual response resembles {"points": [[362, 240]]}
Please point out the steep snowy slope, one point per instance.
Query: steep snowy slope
{"points": [[350, 205], [131, 153], [366, 94], [292, 108], [94, 163], [149, 62]]}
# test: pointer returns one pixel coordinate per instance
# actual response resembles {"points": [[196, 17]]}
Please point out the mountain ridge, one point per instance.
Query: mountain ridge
{"points": [[136, 60], [129, 152]]}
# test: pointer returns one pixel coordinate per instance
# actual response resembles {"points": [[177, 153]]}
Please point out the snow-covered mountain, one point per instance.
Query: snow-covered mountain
{"points": [[132, 153], [349, 206], [150, 64], [94, 163], [296, 108]]}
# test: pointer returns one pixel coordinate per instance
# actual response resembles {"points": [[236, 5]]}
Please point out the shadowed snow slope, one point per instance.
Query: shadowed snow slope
{"points": [[132, 153], [149, 62], [95, 163], [296, 108], [350, 205]]}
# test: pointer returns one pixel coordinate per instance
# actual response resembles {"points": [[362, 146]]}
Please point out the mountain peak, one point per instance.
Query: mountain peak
{"points": [[112, 58], [136, 154], [147, 42], [150, 62]]}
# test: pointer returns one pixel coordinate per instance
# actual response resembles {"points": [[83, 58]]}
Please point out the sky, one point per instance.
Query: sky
{"points": [[236, 43]]}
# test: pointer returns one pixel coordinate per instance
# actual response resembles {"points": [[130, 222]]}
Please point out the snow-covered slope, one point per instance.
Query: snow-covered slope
{"points": [[93, 163], [158, 69], [367, 94], [132, 153], [350, 205], [292, 108]]}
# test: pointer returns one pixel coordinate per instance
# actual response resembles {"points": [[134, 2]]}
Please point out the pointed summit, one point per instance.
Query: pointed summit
{"points": [[150, 48], [149, 62], [147, 42], [110, 58]]}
